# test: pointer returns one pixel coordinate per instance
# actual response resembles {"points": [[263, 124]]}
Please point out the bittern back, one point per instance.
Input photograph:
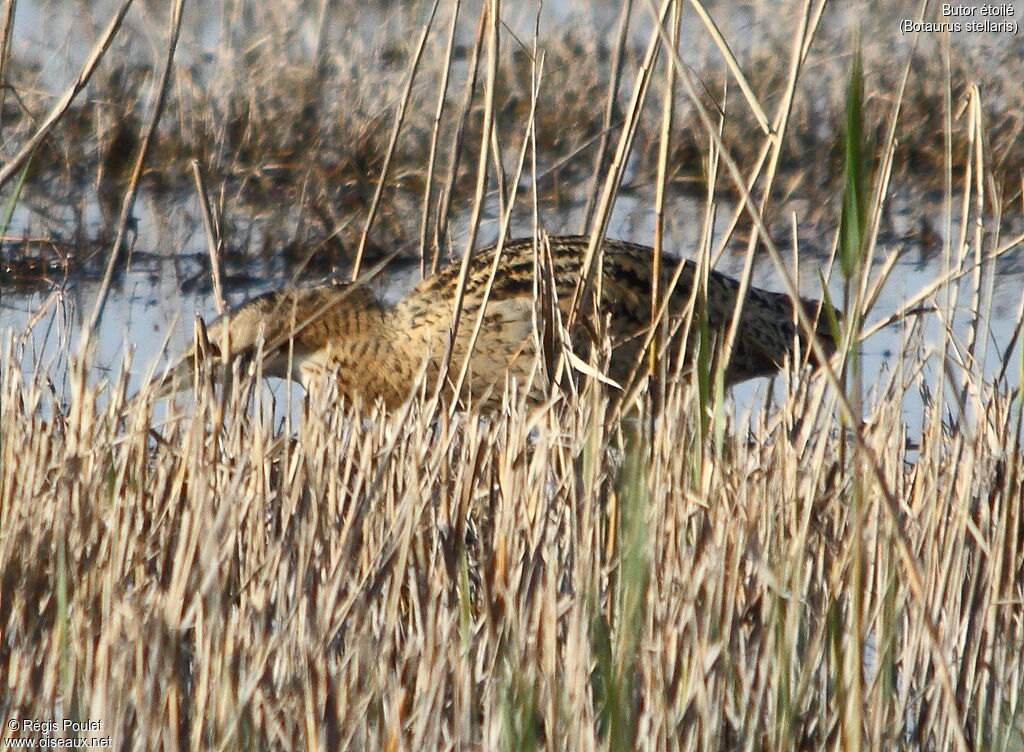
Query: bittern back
{"points": [[373, 351]]}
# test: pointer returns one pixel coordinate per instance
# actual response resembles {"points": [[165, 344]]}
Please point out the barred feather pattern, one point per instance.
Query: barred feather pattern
{"points": [[372, 351]]}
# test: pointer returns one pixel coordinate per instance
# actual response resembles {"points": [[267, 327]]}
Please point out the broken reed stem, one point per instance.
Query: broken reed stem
{"points": [[214, 241]]}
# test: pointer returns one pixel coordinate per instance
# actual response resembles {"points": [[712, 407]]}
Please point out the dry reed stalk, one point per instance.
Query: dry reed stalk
{"points": [[435, 133], [6, 27], [505, 220], [128, 201], [214, 240], [489, 19], [601, 153], [455, 155], [733, 65], [396, 129], [590, 272], [664, 139]]}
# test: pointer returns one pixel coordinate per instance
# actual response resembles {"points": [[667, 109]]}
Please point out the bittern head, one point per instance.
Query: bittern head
{"points": [[267, 327]]}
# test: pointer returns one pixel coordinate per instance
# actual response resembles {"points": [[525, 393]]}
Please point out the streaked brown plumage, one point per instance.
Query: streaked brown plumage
{"points": [[344, 332]]}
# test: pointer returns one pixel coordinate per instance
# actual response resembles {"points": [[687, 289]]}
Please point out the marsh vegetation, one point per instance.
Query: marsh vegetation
{"points": [[830, 561]]}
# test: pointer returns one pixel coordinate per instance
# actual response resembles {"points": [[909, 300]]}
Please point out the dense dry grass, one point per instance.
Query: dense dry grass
{"points": [[674, 574], [541, 577]]}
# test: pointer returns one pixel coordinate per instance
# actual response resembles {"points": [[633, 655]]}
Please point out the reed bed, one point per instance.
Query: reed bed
{"points": [[546, 577], [651, 570]]}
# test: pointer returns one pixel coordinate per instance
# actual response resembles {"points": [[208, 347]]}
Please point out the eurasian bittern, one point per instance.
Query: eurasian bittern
{"points": [[345, 333]]}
